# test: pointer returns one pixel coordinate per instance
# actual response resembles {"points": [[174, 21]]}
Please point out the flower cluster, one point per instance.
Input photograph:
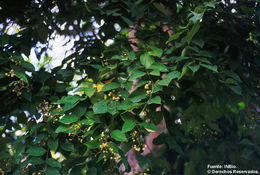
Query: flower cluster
{"points": [[114, 97], [138, 146], [104, 60], [16, 61], [114, 156], [202, 133], [251, 122], [76, 130], [10, 74], [111, 170], [17, 85], [106, 150], [104, 146], [143, 115], [44, 108], [147, 86]]}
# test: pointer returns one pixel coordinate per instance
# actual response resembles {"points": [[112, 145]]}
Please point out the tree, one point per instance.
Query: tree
{"points": [[204, 78]]}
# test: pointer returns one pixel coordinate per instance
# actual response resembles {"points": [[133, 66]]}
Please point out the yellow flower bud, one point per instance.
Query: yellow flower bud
{"points": [[146, 86]]}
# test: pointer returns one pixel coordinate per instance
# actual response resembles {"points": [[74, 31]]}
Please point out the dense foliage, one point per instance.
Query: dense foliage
{"points": [[201, 75]]}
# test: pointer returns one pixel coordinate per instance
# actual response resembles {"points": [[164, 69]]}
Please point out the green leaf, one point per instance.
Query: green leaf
{"points": [[90, 91], [235, 89], [36, 151], [175, 36], [66, 73], [134, 105], [157, 88], [230, 81], [128, 21], [110, 86], [128, 125], [155, 73], [160, 8], [3, 60], [247, 142], [199, 42], [136, 74], [67, 119], [156, 117], [22, 76], [150, 127], [173, 145], [118, 135], [194, 68], [90, 115], [204, 60], [53, 144], [192, 32], [28, 66], [87, 122], [196, 17], [67, 146], [109, 12], [92, 171], [155, 100], [69, 99], [36, 161], [69, 106], [112, 107], [232, 75], [156, 51], [142, 160], [93, 144], [123, 105], [140, 83], [42, 31], [4, 155], [61, 128], [168, 78], [52, 171], [27, 95], [241, 105], [79, 110], [4, 39], [160, 139], [189, 168], [179, 58], [35, 128], [146, 60], [137, 98], [159, 67], [131, 55], [100, 107], [61, 87], [213, 68], [211, 4], [53, 163], [124, 160]]}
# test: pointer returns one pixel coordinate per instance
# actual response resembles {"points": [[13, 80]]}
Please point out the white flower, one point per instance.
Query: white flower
{"points": [[178, 121]]}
